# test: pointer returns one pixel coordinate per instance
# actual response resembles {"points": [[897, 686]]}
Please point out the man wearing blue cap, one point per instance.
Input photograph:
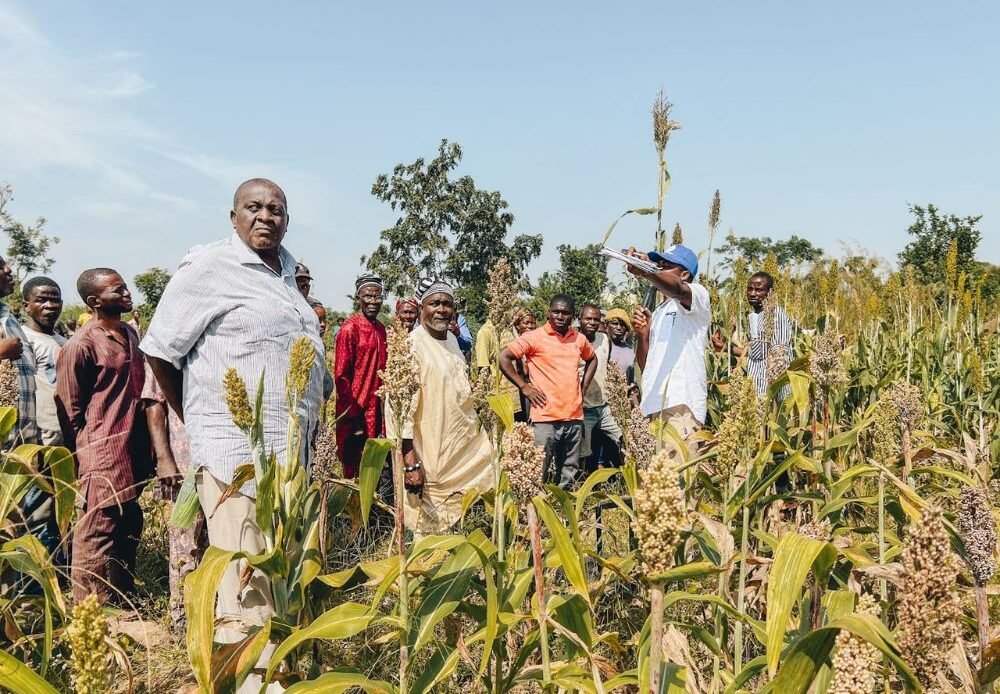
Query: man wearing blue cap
{"points": [[671, 342]]}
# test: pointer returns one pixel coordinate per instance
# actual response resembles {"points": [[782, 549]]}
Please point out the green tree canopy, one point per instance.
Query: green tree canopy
{"points": [[582, 273], [754, 249], [151, 283], [447, 227], [29, 247], [933, 233]]}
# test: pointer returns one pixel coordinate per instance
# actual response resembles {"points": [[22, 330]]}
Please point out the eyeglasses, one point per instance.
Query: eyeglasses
{"points": [[371, 297]]}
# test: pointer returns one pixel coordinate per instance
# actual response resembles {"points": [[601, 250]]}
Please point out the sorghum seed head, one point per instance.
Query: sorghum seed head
{"points": [[909, 404], [740, 429], [928, 609], [9, 386], [715, 212], [660, 512], [639, 443], [87, 634], [678, 236], [501, 295], [662, 125], [826, 363], [856, 662], [979, 533], [324, 458], [237, 399], [523, 460], [401, 375], [300, 366]]}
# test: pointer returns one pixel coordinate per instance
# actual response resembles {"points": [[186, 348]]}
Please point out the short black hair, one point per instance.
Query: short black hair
{"points": [[315, 303], [765, 276], [563, 299], [86, 283], [36, 282], [590, 304]]}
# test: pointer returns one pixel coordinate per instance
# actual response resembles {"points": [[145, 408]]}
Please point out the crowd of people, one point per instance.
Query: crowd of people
{"points": [[135, 409]]}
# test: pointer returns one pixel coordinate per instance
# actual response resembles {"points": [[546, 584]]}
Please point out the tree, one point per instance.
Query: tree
{"points": [[447, 227], [933, 234], [151, 283], [28, 251], [583, 274], [755, 249]]}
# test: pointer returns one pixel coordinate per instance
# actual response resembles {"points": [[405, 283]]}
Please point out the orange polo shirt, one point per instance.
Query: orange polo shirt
{"points": [[554, 363]]}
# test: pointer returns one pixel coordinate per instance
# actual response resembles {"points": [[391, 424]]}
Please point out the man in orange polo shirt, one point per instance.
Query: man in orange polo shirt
{"points": [[553, 354]]}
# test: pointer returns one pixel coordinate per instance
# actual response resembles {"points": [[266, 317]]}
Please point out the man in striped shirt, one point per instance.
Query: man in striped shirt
{"points": [[235, 303], [769, 350]]}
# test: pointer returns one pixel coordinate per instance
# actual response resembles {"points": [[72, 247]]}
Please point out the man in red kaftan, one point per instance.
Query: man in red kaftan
{"points": [[360, 355]]}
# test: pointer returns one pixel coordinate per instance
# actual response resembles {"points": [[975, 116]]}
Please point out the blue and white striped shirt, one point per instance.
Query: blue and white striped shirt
{"points": [[226, 308], [758, 350]]}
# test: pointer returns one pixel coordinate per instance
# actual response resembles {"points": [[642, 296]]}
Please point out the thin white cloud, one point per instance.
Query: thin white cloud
{"points": [[121, 84]]}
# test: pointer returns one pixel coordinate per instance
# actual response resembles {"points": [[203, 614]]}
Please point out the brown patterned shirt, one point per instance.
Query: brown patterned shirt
{"points": [[99, 383]]}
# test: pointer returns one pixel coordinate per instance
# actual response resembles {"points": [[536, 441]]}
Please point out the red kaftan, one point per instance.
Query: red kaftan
{"points": [[360, 355]]}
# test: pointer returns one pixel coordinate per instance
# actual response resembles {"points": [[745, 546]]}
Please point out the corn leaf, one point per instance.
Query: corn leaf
{"points": [[19, 678], [436, 670], [372, 463], [200, 588], [586, 489], [802, 662], [793, 559], [232, 662], [338, 682], [187, 505], [569, 555], [443, 593], [684, 572], [503, 408], [341, 622], [242, 475]]}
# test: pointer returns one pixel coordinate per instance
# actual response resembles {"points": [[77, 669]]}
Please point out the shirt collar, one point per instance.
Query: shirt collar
{"points": [[247, 256], [547, 327]]}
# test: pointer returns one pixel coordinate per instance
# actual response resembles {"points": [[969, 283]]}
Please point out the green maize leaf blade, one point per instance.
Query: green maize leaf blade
{"points": [[568, 552], [232, 662], [372, 462], [19, 678], [200, 588], [793, 560], [341, 622], [504, 409], [338, 682], [443, 593]]}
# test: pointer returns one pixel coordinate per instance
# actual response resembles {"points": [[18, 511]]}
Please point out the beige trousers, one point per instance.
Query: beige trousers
{"points": [[233, 527], [681, 418]]}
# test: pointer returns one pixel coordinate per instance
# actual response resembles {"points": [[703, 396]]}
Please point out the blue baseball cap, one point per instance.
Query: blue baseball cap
{"points": [[678, 255]]}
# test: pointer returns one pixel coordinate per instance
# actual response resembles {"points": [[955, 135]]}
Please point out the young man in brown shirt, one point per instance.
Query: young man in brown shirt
{"points": [[99, 383]]}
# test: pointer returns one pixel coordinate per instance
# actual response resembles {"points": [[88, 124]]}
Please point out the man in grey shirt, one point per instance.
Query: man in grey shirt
{"points": [[601, 433], [235, 303]]}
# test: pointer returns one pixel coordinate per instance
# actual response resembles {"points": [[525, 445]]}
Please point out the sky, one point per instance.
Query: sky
{"points": [[128, 125]]}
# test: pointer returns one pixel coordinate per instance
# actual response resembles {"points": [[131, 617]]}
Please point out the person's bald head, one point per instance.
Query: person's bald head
{"points": [[241, 188], [260, 215]]}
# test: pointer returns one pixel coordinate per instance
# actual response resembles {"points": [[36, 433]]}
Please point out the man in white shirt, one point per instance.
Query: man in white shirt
{"points": [[43, 305], [671, 342], [235, 303]]}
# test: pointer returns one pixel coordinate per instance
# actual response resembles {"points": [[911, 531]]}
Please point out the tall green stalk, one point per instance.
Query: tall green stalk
{"points": [[402, 583], [536, 556]]}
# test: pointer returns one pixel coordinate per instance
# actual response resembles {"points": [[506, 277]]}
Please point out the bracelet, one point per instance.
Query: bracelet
{"points": [[413, 468]]}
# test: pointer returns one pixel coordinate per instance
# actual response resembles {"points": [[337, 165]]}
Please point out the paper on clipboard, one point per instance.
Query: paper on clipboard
{"points": [[638, 263]]}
